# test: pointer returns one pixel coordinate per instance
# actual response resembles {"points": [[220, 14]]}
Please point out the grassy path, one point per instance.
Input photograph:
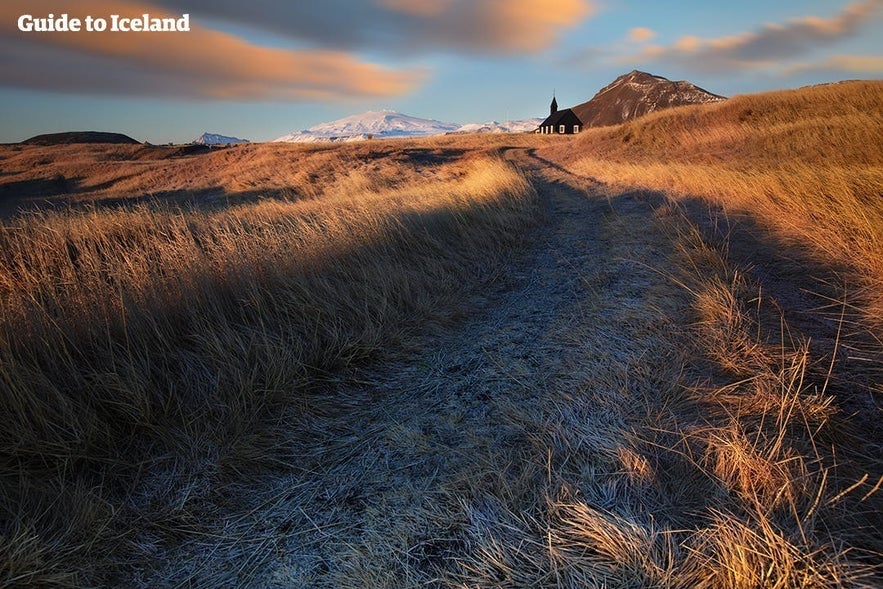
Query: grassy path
{"points": [[441, 463], [556, 436]]}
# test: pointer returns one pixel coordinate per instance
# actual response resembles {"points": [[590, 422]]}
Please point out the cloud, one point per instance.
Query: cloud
{"points": [[641, 35], [415, 26], [202, 63], [855, 64], [585, 58], [688, 43], [420, 8], [330, 36], [768, 46]]}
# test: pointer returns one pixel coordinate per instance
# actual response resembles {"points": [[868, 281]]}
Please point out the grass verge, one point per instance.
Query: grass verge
{"points": [[144, 351]]}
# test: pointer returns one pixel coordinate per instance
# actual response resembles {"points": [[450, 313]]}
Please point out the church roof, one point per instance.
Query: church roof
{"points": [[562, 117]]}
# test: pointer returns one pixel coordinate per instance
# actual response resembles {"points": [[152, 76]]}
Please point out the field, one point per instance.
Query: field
{"points": [[648, 355]]}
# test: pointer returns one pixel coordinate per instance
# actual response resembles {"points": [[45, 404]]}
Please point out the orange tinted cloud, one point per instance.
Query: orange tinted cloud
{"points": [[641, 35], [769, 45], [415, 26], [202, 63], [688, 43], [527, 25]]}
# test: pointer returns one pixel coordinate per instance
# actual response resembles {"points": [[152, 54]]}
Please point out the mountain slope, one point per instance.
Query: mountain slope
{"points": [[382, 123], [216, 139], [635, 94]]}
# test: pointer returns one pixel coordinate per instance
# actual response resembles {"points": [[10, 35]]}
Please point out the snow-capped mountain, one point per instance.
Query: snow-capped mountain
{"points": [[519, 126], [379, 124], [215, 139]]}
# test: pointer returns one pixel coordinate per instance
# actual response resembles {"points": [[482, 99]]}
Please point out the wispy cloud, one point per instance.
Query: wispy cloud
{"points": [[467, 26], [766, 47], [202, 63], [850, 64], [331, 37]]}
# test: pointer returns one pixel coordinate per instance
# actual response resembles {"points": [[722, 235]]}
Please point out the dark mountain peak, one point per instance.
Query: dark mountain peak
{"points": [[635, 94], [639, 76]]}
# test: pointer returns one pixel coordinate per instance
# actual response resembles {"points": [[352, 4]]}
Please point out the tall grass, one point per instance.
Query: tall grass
{"points": [[806, 163], [755, 476], [795, 506], [741, 481], [144, 352]]}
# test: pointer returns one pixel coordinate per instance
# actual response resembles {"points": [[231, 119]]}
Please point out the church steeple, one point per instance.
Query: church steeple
{"points": [[553, 108]]}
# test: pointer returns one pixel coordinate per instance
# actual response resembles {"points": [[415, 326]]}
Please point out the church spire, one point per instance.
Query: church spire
{"points": [[554, 106]]}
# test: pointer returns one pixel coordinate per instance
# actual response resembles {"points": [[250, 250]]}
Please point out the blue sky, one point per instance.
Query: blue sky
{"points": [[263, 68]]}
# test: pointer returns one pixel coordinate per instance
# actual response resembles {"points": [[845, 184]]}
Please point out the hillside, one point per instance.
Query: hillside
{"points": [[807, 162], [636, 94], [72, 137], [196, 175]]}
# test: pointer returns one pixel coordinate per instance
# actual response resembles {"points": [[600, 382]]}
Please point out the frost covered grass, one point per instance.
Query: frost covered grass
{"points": [[147, 351]]}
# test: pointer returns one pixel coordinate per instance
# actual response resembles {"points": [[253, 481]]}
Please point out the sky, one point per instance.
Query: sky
{"points": [[259, 69]]}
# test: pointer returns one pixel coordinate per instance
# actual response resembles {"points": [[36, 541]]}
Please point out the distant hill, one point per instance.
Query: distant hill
{"points": [[216, 139], [635, 94], [378, 124], [70, 137]]}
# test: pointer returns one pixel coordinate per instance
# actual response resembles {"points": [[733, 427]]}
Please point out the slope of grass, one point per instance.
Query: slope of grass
{"points": [[806, 163], [145, 351], [776, 445]]}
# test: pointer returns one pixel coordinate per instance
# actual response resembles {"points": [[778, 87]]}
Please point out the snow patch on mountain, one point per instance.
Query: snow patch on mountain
{"points": [[216, 139], [519, 126], [378, 124]]}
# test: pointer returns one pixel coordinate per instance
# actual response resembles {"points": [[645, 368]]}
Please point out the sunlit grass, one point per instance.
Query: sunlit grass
{"points": [[807, 163]]}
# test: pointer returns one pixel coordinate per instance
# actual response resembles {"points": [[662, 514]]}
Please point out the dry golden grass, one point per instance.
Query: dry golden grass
{"points": [[806, 163], [796, 503], [783, 491], [636, 413], [79, 174], [152, 342]]}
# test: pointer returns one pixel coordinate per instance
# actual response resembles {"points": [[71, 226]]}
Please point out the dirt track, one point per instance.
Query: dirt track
{"points": [[445, 457], [546, 438]]}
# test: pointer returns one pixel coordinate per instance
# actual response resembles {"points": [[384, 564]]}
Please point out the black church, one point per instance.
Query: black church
{"points": [[563, 122]]}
